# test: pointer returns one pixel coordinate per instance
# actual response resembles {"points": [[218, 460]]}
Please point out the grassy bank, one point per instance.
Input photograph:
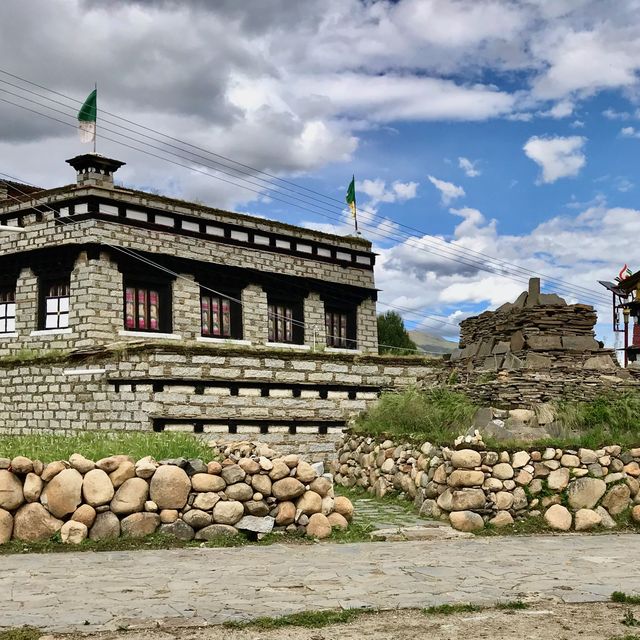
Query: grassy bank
{"points": [[437, 415], [440, 415], [96, 445]]}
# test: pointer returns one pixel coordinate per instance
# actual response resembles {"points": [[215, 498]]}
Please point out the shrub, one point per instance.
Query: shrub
{"points": [[438, 415]]}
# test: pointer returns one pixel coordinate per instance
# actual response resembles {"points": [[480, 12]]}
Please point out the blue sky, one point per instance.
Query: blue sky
{"points": [[506, 128]]}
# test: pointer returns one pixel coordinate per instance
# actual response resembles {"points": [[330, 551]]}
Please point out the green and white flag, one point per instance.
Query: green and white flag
{"points": [[87, 118]]}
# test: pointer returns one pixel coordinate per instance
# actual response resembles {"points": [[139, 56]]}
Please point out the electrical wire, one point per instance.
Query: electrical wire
{"points": [[447, 251]]}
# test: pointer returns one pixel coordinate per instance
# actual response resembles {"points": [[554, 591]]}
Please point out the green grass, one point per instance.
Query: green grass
{"points": [[33, 356], [512, 605], [96, 445], [441, 415], [437, 415], [605, 420], [524, 527], [621, 596], [450, 609], [21, 633], [309, 619], [629, 619], [355, 533]]}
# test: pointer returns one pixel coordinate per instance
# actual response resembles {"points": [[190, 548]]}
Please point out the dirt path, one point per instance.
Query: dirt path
{"points": [[545, 621]]}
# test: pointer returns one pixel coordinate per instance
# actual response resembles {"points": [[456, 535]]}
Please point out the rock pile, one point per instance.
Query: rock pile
{"points": [[537, 332], [580, 489], [119, 496]]}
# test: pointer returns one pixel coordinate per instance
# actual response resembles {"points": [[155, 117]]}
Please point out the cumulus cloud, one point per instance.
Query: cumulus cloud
{"points": [[469, 167], [378, 191], [558, 157], [629, 132], [448, 190], [448, 276]]}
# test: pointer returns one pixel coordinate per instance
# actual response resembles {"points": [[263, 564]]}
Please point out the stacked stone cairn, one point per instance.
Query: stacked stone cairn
{"points": [[537, 331], [473, 487], [118, 496]]}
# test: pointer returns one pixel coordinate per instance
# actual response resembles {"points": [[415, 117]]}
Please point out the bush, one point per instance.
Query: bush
{"points": [[606, 420], [437, 415]]}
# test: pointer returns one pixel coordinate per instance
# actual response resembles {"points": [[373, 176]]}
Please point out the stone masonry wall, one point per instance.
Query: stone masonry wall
{"points": [[257, 493], [583, 489], [46, 234], [96, 312], [196, 386]]}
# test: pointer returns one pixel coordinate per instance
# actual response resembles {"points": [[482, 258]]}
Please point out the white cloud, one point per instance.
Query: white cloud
{"points": [[469, 167], [559, 157], [585, 61], [378, 191], [629, 132], [448, 190], [612, 114], [445, 276]]}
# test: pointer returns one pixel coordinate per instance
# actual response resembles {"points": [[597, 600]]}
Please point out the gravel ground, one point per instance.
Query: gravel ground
{"points": [[542, 621]]}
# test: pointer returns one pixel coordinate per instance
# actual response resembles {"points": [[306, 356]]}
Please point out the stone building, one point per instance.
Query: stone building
{"points": [[76, 271], [121, 309]]}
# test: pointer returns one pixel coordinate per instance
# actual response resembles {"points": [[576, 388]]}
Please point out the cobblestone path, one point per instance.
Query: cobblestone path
{"points": [[385, 514], [101, 591]]}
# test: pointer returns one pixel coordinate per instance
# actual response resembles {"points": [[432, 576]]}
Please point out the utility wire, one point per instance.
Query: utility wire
{"points": [[574, 289]]}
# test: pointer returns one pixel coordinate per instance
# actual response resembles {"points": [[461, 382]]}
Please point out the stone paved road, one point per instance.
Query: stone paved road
{"points": [[101, 591]]}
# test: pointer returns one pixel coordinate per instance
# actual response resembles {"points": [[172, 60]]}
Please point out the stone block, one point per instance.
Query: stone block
{"points": [[579, 343]]}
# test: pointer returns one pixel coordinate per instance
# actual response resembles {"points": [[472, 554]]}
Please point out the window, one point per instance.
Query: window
{"points": [[56, 304], [220, 316], [340, 328], [142, 308], [285, 322], [7, 310]]}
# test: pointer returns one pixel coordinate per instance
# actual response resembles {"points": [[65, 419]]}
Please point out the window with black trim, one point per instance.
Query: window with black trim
{"points": [[285, 321], [55, 303], [340, 326], [220, 315], [7, 309], [147, 306]]}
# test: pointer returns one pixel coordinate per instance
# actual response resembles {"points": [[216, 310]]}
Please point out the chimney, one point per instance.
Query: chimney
{"points": [[95, 170]]}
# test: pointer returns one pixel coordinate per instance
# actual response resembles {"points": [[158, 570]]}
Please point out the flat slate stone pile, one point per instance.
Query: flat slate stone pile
{"points": [[536, 332], [119, 496], [472, 487]]}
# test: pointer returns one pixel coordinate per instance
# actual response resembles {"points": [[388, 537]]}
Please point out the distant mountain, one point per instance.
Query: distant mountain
{"points": [[432, 344]]}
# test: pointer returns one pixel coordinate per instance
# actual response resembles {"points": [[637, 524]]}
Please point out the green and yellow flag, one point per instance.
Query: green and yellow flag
{"points": [[351, 196]]}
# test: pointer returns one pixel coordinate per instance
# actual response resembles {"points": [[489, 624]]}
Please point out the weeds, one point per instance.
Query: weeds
{"points": [[629, 619], [512, 605], [438, 415], [622, 597], [450, 609], [309, 619], [96, 445], [21, 633]]}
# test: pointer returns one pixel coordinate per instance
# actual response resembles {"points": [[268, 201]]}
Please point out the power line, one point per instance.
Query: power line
{"points": [[447, 251], [573, 289]]}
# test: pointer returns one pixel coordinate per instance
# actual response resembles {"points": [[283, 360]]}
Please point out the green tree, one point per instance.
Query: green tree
{"points": [[392, 335]]}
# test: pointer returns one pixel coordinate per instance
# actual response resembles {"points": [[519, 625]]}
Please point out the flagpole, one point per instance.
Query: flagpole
{"points": [[95, 137], [355, 217]]}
